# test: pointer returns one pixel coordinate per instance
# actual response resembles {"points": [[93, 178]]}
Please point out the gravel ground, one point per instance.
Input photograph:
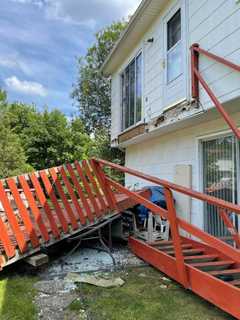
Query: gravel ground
{"points": [[55, 293]]}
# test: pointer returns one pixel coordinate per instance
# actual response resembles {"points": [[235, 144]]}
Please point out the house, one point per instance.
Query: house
{"points": [[163, 118]]}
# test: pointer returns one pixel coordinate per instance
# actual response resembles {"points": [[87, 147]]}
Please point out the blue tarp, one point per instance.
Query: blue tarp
{"points": [[157, 197]]}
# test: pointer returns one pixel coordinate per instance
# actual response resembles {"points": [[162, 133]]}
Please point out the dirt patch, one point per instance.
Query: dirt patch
{"points": [[58, 298], [53, 298]]}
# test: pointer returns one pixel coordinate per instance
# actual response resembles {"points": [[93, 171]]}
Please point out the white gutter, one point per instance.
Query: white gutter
{"points": [[135, 28]]}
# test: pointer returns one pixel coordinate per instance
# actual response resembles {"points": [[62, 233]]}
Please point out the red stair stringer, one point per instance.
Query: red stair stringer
{"points": [[223, 294]]}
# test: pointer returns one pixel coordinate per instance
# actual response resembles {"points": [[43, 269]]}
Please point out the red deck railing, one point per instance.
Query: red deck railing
{"points": [[40, 208], [43, 207], [176, 223], [197, 78]]}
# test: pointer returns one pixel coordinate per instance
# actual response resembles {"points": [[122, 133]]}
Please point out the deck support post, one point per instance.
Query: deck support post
{"points": [[195, 66]]}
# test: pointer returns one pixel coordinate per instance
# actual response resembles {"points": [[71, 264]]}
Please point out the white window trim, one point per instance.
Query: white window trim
{"points": [[179, 4], [199, 174], [180, 42], [121, 71]]}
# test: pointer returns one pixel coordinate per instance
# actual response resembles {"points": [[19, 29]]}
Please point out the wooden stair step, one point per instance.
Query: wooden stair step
{"points": [[227, 272], [201, 258], [235, 282], [171, 247], [187, 252], [214, 265], [160, 243], [163, 243]]}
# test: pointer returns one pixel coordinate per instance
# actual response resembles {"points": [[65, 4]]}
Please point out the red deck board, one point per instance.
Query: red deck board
{"points": [[123, 202]]}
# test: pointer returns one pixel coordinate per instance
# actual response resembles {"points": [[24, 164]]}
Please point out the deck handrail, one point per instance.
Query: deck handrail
{"points": [[176, 187], [197, 78], [176, 222]]}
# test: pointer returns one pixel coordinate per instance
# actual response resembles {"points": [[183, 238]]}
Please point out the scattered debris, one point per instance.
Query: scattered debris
{"points": [[54, 306], [166, 279], [91, 260], [142, 275], [163, 286], [71, 315], [95, 280], [37, 260], [55, 286], [53, 298]]}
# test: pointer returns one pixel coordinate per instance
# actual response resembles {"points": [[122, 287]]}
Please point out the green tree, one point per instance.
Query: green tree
{"points": [[92, 89], [47, 138], [92, 92], [51, 140]]}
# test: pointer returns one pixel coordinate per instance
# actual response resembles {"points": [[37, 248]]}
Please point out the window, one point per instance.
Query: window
{"points": [[221, 169], [174, 47], [131, 80]]}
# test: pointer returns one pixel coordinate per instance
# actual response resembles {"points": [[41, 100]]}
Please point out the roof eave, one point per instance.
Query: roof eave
{"points": [[122, 47]]}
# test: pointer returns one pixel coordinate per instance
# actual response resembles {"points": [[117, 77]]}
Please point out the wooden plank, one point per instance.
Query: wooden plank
{"points": [[6, 242], [64, 199], [183, 246], [131, 133], [99, 196], [23, 213], [43, 201], [109, 194], [200, 258], [235, 282], [33, 205], [187, 251], [87, 188], [161, 243], [189, 192], [53, 198], [211, 240], [176, 238], [210, 288], [213, 264], [73, 197], [230, 227], [80, 192], [37, 260], [225, 272], [12, 220]]}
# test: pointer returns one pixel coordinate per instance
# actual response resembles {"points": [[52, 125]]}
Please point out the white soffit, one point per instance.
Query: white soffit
{"points": [[140, 22]]}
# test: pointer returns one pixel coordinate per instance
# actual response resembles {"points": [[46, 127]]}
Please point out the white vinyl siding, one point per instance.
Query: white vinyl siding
{"points": [[159, 157], [215, 25]]}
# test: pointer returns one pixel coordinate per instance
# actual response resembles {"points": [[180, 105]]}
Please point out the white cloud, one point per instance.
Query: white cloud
{"points": [[15, 62], [26, 87], [38, 3], [90, 12]]}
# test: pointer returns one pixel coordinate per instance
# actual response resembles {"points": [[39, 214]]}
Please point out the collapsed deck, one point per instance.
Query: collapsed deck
{"points": [[42, 208]]}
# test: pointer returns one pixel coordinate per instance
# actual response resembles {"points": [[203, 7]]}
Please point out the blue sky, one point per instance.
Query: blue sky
{"points": [[40, 43]]}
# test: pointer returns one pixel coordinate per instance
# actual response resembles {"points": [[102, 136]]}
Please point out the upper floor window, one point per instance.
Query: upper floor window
{"points": [[174, 45], [131, 82]]}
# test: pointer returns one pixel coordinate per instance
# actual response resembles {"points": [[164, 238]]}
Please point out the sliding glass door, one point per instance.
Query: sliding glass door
{"points": [[220, 168]]}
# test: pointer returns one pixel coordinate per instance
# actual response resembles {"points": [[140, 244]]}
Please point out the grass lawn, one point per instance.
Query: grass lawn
{"points": [[16, 298], [143, 298]]}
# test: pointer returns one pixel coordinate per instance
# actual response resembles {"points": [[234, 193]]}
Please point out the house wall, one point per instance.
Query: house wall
{"points": [[162, 155], [215, 25]]}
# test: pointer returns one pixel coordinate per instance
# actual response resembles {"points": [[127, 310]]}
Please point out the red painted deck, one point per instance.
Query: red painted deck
{"points": [[209, 267], [42, 208]]}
